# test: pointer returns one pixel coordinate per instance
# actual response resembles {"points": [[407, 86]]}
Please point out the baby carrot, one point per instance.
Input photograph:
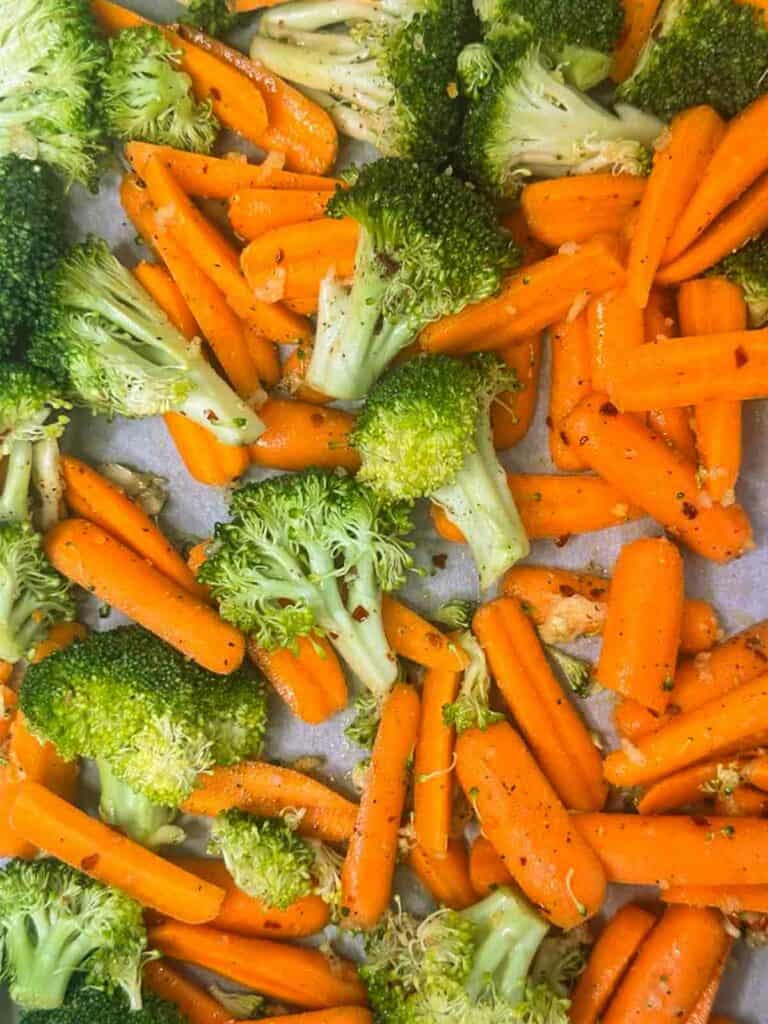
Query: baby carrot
{"points": [[528, 826], [294, 373], [702, 1011], [433, 764], [154, 278], [254, 211], [512, 411], [95, 560], [731, 899], [299, 435], [486, 868], [562, 210], [190, 999], [686, 787], [743, 802], [616, 328], [638, 21], [366, 879], [60, 635], [447, 877], [552, 727], [739, 659], [416, 639], [570, 381], [310, 679]]}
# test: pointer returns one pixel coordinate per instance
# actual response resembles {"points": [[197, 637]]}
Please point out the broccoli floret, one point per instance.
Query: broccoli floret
{"points": [[428, 247], [90, 1006], [153, 721], [701, 51], [312, 552], [456, 613], [525, 119], [56, 923], [116, 352], [748, 268], [215, 17], [145, 95], [362, 729], [385, 69], [49, 86], [31, 241], [577, 672], [471, 708], [579, 36], [425, 431]]}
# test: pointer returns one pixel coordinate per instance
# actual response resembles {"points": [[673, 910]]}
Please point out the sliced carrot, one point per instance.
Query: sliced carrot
{"points": [[447, 877], [255, 211], [433, 765], [570, 381], [310, 679], [562, 210], [299, 435], [616, 329], [486, 868], [512, 411], [190, 999], [416, 639], [638, 21]]}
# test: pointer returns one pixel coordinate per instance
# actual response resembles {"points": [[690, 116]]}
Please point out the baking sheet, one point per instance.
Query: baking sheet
{"points": [[737, 590]]}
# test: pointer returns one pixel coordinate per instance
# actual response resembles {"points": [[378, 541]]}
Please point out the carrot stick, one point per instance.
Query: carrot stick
{"points": [[266, 790], [255, 211], [678, 165], [683, 788], [710, 306], [310, 680], [641, 637], [672, 968], [693, 736], [745, 219], [292, 974], [629, 456], [528, 826], [50, 823], [60, 635], [296, 126], [570, 381], [206, 458], [554, 507], [512, 411], [210, 177], [533, 298], [447, 877], [608, 962], [298, 435], [638, 20], [486, 868], [739, 160], [557, 736], [92, 558], [338, 1015], [416, 639], [743, 802], [562, 210], [156, 280], [244, 915], [433, 765], [366, 879], [731, 899], [702, 1011], [190, 999], [616, 328]]}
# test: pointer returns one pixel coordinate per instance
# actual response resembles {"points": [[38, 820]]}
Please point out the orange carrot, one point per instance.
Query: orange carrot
{"points": [[255, 211], [40, 762], [433, 765], [298, 435], [678, 164], [190, 999], [529, 828], [553, 729], [710, 306], [638, 21], [672, 968], [60, 635], [530, 300], [416, 639], [210, 177], [366, 879], [756, 771], [743, 802], [310, 679], [739, 160], [244, 915], [616, 328], [264, 353], [266, 790], [702, 1011], [629, 456], [641, 637], [660, 314], [293, 376], [562, 210], [746, 219], [447, 877], [50, 823], [338, 1015], [570, 381], [531, 249], [608, 962], [512, 411], [156, 280], [292, 974], [686, 787], [486, 868], [731, 899], [94, 559]]}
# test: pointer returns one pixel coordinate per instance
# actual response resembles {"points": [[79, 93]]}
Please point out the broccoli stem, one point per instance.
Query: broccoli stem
{"points": [[132, 813], [44, 958], [48, 484], [479, 502], [348, 120], [14, 502], [583, 67]]}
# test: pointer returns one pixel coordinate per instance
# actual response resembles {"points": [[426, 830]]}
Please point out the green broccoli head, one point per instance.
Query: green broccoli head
{"points": [[429, 246], [146, 96], [56, 923], [471, 709], [385, 71], [701, 51], [748, 268], [49, 109], [31, 241], [312, 552], [215, 17], [524, 119], [91, 1006], [115, 351]]}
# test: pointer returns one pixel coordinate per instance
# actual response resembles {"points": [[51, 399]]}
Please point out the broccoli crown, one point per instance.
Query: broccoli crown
{"points": [[701, 51], [91, 1006], [431, 404], [212, 16], [32, 594], [146, 96], [52, 61], [55, 923], [31, 241], [27, 398], [265, 856], [595, 24], [748, 268], [158, 720], [364, 726], [471, 708]]}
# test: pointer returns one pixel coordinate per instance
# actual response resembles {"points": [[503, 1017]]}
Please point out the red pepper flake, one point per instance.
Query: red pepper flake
{"points": [[560, 542], [564, 437], [360, 614], [566, 591], [583, 440], [550, 422], [596, 593], [279, 256], [439, 561], [689, 511], [215, 94], [701, 822], [436, 639], [609, 409], [89, 863], [317, 419], [740, 356]]}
